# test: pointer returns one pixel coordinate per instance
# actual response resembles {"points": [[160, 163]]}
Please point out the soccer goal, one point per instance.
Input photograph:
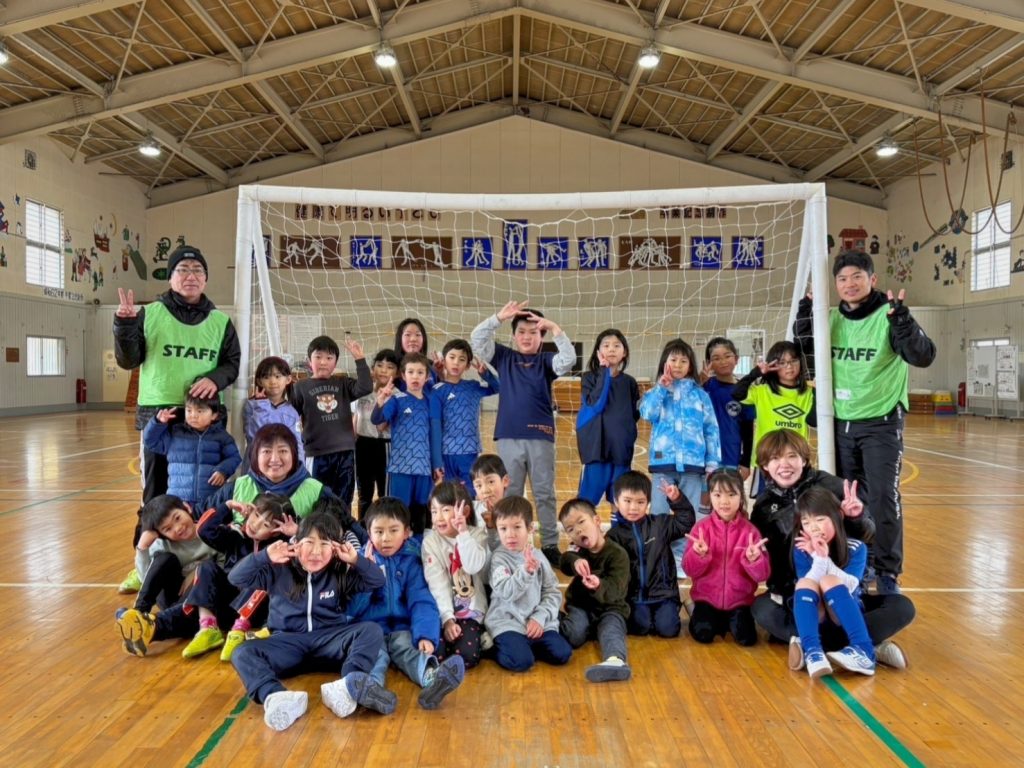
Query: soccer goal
{"points": [[656, 264]]}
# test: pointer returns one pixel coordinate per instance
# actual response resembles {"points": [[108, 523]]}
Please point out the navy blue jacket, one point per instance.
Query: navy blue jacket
{"points": [[192, 456], [606, 423], [403, 602], [321, 604], [652, 566]]}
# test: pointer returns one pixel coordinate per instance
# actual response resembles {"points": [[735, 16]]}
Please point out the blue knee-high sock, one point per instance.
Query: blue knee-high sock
{"points": [[805, 614], [851, 619]]}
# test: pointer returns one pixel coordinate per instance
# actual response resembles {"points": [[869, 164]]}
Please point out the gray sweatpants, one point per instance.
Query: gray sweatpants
{"points": [[535, 458], [611, 630]]}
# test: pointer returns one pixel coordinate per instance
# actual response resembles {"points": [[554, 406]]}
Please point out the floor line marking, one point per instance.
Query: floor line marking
{"points": [[96, 450], [963, 458], [872, 723], [211, 743]]}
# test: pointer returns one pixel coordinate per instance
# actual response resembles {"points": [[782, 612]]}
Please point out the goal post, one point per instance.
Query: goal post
{"points": [[692, 263]]}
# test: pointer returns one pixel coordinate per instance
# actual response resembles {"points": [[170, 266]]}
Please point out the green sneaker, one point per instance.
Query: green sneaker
{"points": [[131, 584], [236, 637], [137, 630], [204, 641]]}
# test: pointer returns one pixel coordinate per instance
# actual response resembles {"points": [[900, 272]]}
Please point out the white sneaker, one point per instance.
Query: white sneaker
{"points": [[817, 664], [337, 698], [890, 654], [283, 708], [853, 659], [796, 654]]}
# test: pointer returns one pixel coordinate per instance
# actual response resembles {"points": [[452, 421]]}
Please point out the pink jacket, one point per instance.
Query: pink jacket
{"points": [[724, 577]]}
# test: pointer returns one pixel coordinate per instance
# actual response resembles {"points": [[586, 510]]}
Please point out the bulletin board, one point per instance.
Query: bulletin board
{"points": [[1006, 372], [981, 371]]}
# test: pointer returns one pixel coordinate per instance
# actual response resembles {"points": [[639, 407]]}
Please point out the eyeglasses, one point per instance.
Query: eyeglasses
{"points": [[185, 272], [722, 358], [788, 363]]}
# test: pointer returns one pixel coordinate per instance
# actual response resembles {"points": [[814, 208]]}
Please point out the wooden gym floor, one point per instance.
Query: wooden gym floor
{"points": [[70, 695]]}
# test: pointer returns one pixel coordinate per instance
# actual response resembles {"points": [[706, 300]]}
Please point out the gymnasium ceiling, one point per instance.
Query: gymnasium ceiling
{"points": [[241, 90]]}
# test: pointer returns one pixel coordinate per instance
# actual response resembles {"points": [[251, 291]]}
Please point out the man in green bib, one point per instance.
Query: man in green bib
{"points": [[873, 339], [179, 342]]}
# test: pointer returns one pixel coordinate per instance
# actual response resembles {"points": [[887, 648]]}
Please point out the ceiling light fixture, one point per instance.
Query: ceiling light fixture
{"points": [[149, 146], [4, 56], [385, 56], [887, 147], [649, 57]]}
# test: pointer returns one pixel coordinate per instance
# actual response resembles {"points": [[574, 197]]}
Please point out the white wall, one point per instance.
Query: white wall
{"points": [[965, 315], [90, 202]]}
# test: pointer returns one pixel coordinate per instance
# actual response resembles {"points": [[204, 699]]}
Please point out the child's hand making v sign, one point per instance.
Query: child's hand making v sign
{"points": [[590, 580], [754, 548], [697, 544], [385, 392], [851, 504]]}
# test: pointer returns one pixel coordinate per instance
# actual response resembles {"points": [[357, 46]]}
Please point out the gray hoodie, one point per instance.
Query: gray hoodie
{"points": [[518, 596]]}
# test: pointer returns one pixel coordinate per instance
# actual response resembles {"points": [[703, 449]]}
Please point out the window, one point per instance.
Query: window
{"points": [[44, 257], [45, 356], [990, 246], [1002, 342]]}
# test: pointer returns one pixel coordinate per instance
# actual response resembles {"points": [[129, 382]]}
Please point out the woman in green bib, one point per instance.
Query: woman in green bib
{"points": [[274, 468]]}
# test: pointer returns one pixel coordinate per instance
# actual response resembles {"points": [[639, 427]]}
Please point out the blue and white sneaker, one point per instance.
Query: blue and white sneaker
{"points": [[853, 659], [817, 665]]}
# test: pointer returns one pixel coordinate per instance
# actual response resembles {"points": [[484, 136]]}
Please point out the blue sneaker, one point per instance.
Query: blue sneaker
{"points": [[448, 676], [816, 663], [853, 659], [886, 584], [369, 694], [119, 613]]}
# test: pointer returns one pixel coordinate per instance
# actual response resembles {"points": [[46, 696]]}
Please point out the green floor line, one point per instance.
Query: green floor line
{"points": [[872, 723], [217, 735]]}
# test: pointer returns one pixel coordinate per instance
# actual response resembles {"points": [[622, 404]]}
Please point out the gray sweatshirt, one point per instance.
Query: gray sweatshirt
{"points": [[517, 596]]}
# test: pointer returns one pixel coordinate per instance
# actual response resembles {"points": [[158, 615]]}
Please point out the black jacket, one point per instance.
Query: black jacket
{"points": [[130, 345], [906, 337], [652, 567], [774, 515]]}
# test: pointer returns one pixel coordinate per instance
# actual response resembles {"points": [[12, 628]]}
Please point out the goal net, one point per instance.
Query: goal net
{"points": [[657, 264]]}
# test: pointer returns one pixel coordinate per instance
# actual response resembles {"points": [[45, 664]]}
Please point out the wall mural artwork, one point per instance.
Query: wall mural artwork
{"points": [[899, 259], [4, 224], [1018, 265], [163, 250], [103, 231], [477, 253], [949, 269], [594, 252], [3, 257], [514, 237]]}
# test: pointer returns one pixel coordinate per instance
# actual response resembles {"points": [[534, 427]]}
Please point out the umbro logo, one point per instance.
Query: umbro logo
{"points": [[789, 411]]}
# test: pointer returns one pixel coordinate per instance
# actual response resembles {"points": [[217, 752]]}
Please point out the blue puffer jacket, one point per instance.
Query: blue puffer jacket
{"points": [[404, 602], [323, 601], [192, 457], [684, 428]]}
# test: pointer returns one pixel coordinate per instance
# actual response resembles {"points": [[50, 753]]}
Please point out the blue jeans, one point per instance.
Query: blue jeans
{"points": [[691, 484], [515, 651], [399, 650]]}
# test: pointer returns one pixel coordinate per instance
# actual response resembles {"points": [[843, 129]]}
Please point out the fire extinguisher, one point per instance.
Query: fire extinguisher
{"points": [[961, 395], [80, 391]]}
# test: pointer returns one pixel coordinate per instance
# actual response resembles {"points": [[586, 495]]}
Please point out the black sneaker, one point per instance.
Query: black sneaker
{"points": [[553, 554], [886, 584]]}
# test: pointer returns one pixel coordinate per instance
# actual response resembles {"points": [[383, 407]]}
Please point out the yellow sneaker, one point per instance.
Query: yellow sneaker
{"points": [[131, 584], [236, 637], [137, 630], [204, 641]]}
